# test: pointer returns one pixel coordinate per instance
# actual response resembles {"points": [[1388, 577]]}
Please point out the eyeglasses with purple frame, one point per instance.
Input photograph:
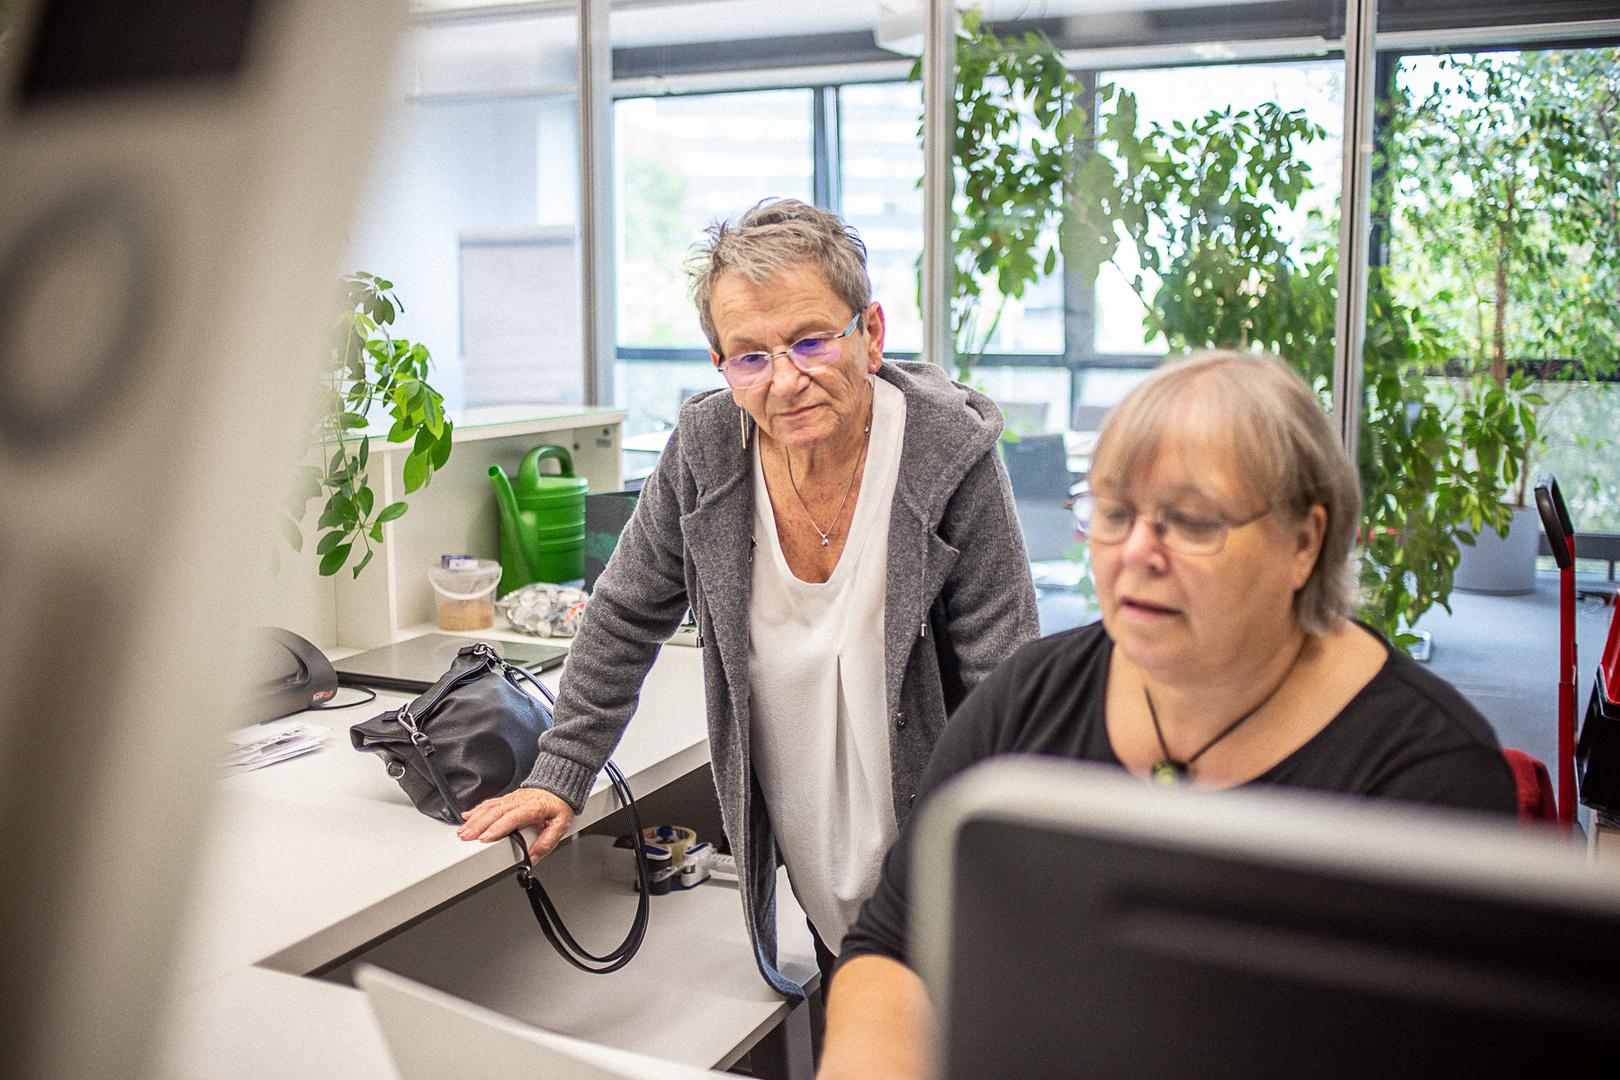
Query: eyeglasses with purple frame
{"points": [[808, 354]]}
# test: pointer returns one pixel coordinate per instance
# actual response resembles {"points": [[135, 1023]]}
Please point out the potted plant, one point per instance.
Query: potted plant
{"points": [[369, 367], [1500, 191]]}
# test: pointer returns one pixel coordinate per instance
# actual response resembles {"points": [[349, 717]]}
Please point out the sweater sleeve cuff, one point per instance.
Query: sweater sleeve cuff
{"points": [[568, 780]]}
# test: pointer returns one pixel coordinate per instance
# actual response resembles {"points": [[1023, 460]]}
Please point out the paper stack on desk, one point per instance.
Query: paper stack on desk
{"points": [[265, 744]]}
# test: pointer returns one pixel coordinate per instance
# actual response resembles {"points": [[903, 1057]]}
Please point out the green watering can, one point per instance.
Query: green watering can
{"points": [[542, 521]]}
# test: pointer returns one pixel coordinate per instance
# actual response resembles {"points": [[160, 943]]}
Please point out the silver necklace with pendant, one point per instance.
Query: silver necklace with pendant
{"points": [[826, 536]]}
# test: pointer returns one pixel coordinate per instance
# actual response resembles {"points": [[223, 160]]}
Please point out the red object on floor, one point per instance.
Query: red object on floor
{"points": [[1536, 802]]}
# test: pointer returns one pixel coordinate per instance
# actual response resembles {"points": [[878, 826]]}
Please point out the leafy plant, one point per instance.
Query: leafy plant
{"points": [[1197, 205], [1018, 119], [1502, 211], [368, 367]]}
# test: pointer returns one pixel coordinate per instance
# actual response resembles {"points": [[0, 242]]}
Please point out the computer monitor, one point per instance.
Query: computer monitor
{"points": [[1071, 921], [177, 180]]}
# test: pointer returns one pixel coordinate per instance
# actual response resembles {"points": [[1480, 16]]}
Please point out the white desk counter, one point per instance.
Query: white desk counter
{"points": [[310, 860]]}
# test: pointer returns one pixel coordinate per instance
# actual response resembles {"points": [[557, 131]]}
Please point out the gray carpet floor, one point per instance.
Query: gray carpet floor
{"points": [[1502, 653]]}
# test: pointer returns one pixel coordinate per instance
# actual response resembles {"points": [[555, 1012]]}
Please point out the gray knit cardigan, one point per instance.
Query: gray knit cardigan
{"points": [[958, 578]]}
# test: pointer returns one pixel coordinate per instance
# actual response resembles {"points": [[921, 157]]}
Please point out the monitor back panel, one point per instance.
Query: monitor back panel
{"points": [[1077, 955]]}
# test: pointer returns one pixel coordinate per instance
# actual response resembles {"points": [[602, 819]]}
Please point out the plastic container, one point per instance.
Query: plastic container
{"points": [[466, 595]]}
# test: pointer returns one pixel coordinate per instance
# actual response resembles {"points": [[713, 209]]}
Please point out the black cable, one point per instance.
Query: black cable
{"points": [[348, 704]]}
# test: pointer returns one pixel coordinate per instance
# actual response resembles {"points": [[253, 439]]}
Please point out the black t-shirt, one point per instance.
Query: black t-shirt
{"points": [[1407, 735]]}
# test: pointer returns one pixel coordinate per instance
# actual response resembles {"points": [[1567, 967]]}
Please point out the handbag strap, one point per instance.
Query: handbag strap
{"points": [[425, 749], [545, 911], [551, 923]]}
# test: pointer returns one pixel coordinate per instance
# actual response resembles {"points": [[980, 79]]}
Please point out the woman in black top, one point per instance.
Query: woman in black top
{"points": [[1221, 521]]}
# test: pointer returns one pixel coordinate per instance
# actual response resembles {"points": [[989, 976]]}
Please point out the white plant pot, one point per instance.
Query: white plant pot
{"points": [[1498, 566]]}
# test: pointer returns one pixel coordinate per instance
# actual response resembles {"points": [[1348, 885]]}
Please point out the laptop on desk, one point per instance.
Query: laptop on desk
{"points": [[416, 664], [437, 1036]]}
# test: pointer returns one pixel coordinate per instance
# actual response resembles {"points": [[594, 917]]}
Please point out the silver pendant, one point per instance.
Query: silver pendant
{"points": [[823, 541]]}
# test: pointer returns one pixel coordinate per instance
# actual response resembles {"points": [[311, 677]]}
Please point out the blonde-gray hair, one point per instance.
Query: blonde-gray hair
{"points": [[774, 236], [1255, 408]]}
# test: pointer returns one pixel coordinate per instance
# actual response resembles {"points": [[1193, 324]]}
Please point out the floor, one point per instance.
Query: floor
{"points": [[1502, 653]]}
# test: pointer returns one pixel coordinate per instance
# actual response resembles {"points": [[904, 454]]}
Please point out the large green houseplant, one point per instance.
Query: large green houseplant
{"points": [[1503, 206], [1197, 206], [368, 367]]}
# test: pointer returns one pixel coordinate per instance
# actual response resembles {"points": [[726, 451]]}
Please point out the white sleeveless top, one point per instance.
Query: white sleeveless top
{"points": [[817, 682]]}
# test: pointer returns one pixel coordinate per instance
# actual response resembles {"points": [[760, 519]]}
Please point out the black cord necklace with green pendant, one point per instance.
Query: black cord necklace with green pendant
{"points": [[1167, 770]]}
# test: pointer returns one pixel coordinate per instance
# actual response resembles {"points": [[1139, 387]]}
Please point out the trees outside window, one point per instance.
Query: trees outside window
{"points": [[1503, 216]]}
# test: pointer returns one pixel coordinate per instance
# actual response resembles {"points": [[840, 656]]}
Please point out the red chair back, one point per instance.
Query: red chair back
{"points": [[1536, 802]]}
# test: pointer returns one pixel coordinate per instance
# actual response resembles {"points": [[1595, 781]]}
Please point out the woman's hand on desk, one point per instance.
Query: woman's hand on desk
{"points": [[521, 809]]}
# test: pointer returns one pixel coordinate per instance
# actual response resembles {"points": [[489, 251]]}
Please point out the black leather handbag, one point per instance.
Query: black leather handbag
{"points": [[471, 736], [474, 735]]}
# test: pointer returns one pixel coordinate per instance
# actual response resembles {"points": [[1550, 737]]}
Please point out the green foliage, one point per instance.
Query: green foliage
{"points": [[1503, 216], [1018, 122], [1197, 205], [1422, 493], [368, 367]]}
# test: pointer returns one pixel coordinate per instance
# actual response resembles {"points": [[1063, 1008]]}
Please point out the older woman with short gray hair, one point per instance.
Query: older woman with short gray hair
{"points": [[843, 530]]}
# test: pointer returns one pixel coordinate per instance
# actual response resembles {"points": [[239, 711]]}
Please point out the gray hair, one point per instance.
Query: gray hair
{"points": [[770, 238], [1255, 408]]}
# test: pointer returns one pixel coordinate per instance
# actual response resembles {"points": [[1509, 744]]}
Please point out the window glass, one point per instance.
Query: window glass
{"points": [[1503, 246], [723, 103], [1130, 185], [1494, 348], [473, 208], [1167, 97], [881, 163], [684, 163]]}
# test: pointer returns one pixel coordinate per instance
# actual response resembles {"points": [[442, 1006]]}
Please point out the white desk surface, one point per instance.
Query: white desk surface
{"points": [[263, 1025], [310, 859]]}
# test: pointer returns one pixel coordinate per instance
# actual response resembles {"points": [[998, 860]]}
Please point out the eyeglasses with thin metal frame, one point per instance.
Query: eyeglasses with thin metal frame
{"points": [[808, 354], [1110, 521]]}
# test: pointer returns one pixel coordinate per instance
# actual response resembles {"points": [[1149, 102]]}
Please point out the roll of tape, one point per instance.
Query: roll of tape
{"points": [[677, 838]]}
